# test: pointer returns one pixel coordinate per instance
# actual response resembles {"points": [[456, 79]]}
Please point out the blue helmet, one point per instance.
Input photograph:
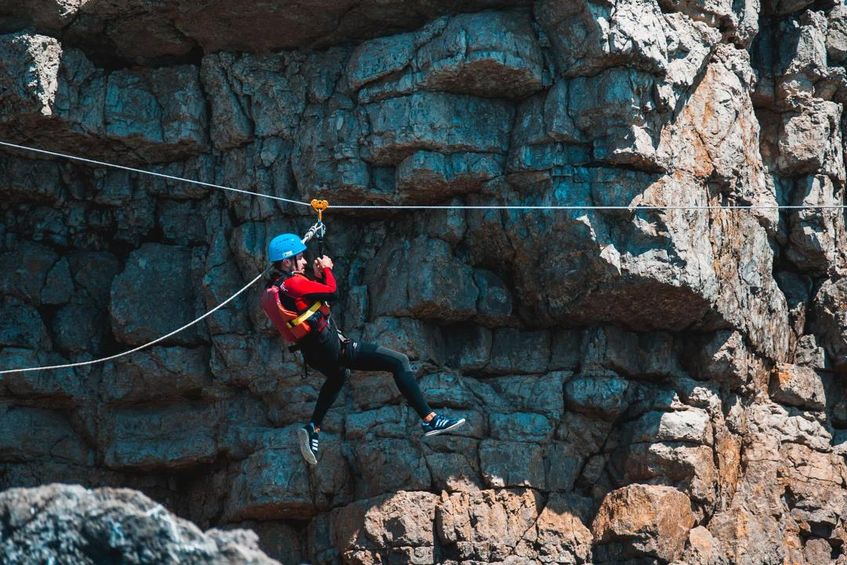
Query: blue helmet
{"points": [[284, 246]]}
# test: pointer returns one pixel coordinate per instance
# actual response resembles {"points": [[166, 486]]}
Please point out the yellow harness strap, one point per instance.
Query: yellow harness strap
{"points": [[305, 315]]}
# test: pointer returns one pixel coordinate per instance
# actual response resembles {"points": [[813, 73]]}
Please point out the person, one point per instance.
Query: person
{"points": [[298, 307]]}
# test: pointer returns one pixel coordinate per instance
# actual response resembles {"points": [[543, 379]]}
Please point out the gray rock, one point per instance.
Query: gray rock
{"points": [[272, 483], [40, 435], [257, 362], [30, 180], [810, 140], [603, 396], [58, 386], [154, 34], [384, 422], [829, 325], [389, 464], [157, 373], [691, 468], [797, 386], [836, 37], [156, 113], [810, 354], [815, 233], [399, 126], [434, 176], [521, 426], [222, 280], [588, 37], [622, 100], [154, 295], [468, 346], [81, 327], [415, 338], [21, 325], [433, 287], [25, 269], [67, 522], [254, 95], [29, 75], [175, 436], [51, 15], [515, 350], [490, 54], [723, 358], [495, 301], [182, 223], [59, 285], [739, 18], [93, 273], [533, 393], [512, 464], [330, 151], [381, 57], [775, 424], [456, 470], [630, 353], [447, 389], [449, 224], [691, 425], [564, 464]]}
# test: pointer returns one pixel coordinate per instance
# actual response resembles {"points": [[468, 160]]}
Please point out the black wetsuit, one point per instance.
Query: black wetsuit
{"points": [[327, 351]]}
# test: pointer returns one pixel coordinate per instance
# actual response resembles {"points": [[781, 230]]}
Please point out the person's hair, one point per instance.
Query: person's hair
{"points": [[276, 270]]}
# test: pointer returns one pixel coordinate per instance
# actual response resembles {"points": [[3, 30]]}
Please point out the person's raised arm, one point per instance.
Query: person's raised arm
{"points": [[315, 290]]}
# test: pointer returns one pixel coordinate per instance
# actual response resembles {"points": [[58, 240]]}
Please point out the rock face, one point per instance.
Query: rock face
{"points": [[63, 523], [640, 384]]}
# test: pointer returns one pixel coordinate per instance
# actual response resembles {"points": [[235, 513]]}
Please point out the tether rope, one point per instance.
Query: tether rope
{"points": [[140, 347]]}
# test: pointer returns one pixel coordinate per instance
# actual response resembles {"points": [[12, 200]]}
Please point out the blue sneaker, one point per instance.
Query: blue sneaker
{"points": [[441, 424], [308, 439]]}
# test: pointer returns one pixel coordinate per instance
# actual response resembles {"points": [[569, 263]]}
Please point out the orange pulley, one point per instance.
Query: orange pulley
{"points": [[319, 206]]}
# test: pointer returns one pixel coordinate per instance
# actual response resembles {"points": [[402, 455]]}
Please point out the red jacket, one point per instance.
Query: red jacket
{"points": [[298, 293]]}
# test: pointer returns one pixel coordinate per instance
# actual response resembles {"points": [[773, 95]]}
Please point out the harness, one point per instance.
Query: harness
{"points": [[293, 325]]}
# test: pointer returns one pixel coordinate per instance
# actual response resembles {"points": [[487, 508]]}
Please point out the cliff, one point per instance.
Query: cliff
{"points": [[641, 385]]}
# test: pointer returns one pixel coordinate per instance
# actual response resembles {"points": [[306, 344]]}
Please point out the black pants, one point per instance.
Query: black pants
{"points": [[326, 353]]}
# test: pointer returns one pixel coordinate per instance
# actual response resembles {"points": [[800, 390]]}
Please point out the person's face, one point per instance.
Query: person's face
{"points": [[300, 263], [295, 264]]}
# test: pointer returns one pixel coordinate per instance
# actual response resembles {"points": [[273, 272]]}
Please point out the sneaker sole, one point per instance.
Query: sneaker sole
{"points": [[453, 427], [303, 437]]}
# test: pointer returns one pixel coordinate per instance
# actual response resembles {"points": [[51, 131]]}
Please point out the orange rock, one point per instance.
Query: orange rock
{"points": [[644, 520]]}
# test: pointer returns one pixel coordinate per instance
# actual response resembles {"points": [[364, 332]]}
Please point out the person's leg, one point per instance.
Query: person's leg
{"points": [[371, 357], [335, 377], [321, 353]]}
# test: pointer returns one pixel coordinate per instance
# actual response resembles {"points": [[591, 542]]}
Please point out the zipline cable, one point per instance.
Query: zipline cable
{"points": [[588, 207], [152, 173], [435, 206]]}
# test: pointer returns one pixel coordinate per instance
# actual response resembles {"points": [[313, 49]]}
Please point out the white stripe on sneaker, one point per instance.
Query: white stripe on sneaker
{"points": [[305, 450]]}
